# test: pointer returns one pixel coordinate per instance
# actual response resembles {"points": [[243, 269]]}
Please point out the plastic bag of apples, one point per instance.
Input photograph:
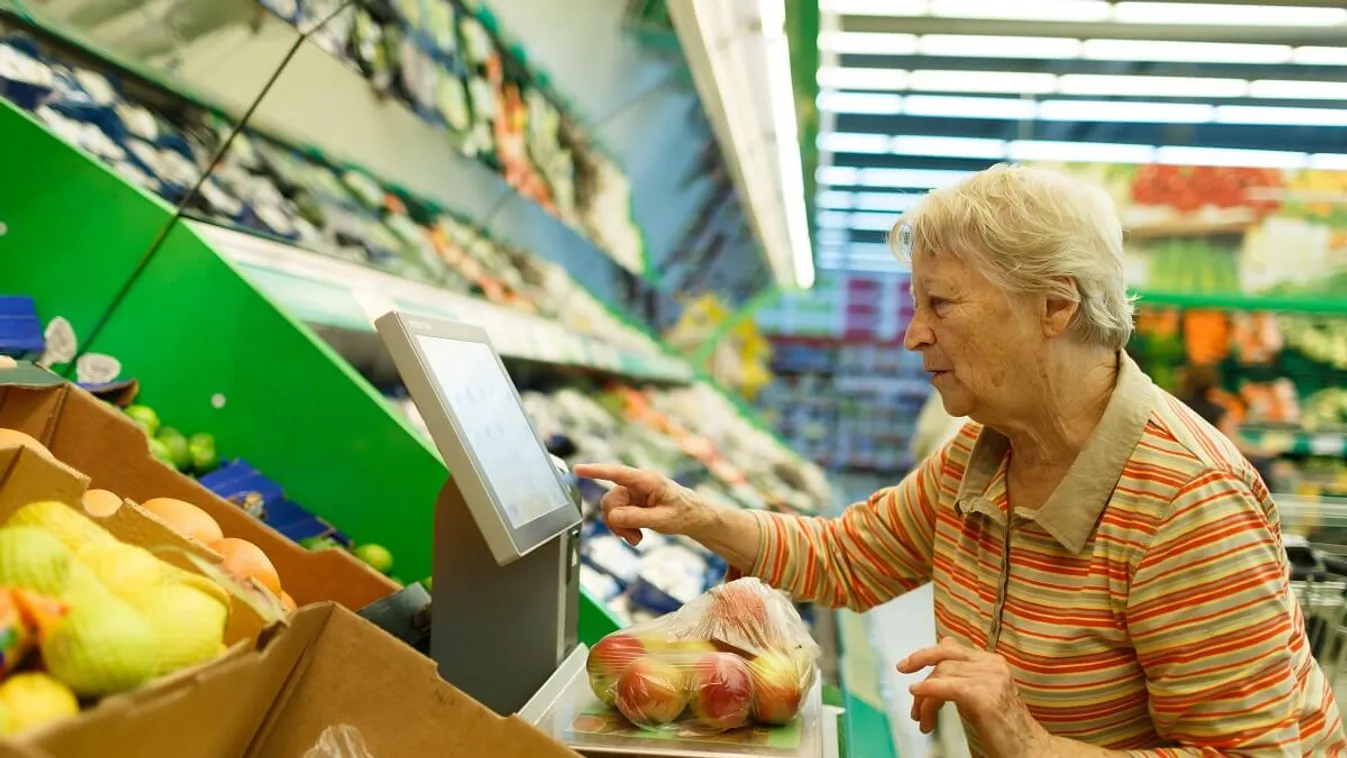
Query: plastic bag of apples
{"points": [[738, 654]]}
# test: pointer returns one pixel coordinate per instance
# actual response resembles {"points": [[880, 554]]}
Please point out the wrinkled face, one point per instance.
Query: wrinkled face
{"points": [[981, 345]]}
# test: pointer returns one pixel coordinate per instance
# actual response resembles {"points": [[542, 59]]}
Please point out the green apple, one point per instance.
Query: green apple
{"points": [[376, 557], [144, 417]]}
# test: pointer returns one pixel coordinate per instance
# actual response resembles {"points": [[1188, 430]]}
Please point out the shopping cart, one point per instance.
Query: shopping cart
{"points": [[1319, 581]]}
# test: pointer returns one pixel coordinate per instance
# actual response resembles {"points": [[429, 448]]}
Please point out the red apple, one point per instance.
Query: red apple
{"points": [[740, 604], [722, 691], [608, 659], [778, 687], [652, 692]]}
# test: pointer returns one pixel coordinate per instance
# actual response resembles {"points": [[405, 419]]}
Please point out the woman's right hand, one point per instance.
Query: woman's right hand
{"points": [[643, 499]]}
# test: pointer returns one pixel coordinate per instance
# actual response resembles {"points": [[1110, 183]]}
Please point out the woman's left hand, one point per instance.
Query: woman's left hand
{"points": [[981, 686]]}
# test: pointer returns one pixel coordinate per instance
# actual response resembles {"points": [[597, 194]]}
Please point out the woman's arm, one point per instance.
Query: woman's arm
{"points": [[875, 551]]}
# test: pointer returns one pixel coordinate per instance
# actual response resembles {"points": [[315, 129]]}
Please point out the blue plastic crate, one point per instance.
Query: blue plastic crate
{"points": [[236, 479], [21, 333]]}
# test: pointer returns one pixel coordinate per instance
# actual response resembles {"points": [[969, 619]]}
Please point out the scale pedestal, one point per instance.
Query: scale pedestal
{"points": [[500, 632]]}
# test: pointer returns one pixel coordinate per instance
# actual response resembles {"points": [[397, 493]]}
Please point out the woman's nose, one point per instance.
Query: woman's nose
{"points": [[918, 334]]}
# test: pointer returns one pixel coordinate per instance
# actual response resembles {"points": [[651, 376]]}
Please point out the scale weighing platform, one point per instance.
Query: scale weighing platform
{"points": [[506, 557]]}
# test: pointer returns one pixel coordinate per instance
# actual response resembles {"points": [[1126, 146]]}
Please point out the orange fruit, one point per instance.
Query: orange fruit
{"points": [[14, 437], [101, 503], [244, 560], [288, 602], [186, 519]]}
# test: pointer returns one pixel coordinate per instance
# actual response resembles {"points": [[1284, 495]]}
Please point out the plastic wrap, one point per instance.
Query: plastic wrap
{"points": [[340, 741], [736, 655]]}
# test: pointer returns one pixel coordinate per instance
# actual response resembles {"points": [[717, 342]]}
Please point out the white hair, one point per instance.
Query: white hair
{"points": [[1031, 230]]}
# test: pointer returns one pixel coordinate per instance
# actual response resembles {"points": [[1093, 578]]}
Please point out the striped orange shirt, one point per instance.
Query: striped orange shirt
{"points": [[1145, 606]]}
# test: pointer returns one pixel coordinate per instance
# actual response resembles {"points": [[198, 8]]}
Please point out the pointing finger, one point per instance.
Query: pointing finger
{"points": [[635, 478]]}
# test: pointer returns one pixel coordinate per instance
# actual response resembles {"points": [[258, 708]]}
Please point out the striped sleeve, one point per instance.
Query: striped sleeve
{"points": [[1209, 616], [872, 553]]}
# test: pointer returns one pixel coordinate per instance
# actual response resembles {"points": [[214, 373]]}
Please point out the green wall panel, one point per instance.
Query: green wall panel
{"points": [[80, 238]]}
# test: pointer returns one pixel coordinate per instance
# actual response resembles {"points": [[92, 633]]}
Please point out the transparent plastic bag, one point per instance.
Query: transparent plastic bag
{"points": [[340, 741], [736, 655]]}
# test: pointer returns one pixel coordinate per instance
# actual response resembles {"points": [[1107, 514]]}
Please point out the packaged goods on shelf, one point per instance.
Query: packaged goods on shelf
{"points": [[447, 64], [274, 190]]}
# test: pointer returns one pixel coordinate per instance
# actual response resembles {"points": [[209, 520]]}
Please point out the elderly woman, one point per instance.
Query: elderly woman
{"points": [[1108, 570]]}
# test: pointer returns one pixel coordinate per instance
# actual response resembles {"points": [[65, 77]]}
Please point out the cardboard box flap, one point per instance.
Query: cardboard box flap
{"points": [[212, 713], [28, 476], [394, 698]]}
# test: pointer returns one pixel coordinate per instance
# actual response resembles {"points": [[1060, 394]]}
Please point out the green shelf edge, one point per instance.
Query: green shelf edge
{"points": [[369, 473], [1317, 303]]}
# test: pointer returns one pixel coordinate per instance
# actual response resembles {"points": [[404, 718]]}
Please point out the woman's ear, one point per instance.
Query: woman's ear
{"points": [[1060, 307]]}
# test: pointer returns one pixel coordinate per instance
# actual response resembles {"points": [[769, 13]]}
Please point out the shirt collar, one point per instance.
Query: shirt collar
{"points": [[1073, 510]]}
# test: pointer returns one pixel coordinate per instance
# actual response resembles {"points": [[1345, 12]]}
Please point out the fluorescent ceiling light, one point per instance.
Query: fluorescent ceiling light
{"points": [[1067, 48], [1272, 115], [874, 222], [845, 142], [833, 236], [1105, 111], [982, 81], [836, 176], [830, 77], [1212, 14], [954, 147], [892, 202], [1182, 52], [1320, 56], [909, 178], [1087, 11], [1289, 89], [1079, 152], [939, 106], [875, 7], [975, 46], [1210, 156], [1329, 161], [1047, 151], [867, 43], [1150, 86], [868, 103], [831, 220], [1041, 10], [834, 200]]}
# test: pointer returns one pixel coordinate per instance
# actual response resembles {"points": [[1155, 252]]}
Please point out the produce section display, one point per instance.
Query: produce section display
{"points": [[737, 656], [845, 391], [1280, 378], [446, 63], [847, 406], [268, 188]]}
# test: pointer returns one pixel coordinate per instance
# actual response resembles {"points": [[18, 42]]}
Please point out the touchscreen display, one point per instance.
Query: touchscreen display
{"points": [[511, 459]]}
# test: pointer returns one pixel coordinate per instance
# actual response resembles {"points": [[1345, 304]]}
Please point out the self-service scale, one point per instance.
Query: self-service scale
{"points": [[505, 599]]}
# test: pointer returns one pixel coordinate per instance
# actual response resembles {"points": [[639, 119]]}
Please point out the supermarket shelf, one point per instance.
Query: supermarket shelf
{"points": [[1192, 228], [1240, 302], [1299, 513], [334, 293], [1288, 441]]}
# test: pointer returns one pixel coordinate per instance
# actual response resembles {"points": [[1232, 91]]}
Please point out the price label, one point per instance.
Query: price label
{"points": [[1326, 444]]}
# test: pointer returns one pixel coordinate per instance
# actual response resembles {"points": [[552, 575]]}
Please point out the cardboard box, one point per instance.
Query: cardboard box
{"points": [[27, 476], [100, 441], [328, 668]]}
